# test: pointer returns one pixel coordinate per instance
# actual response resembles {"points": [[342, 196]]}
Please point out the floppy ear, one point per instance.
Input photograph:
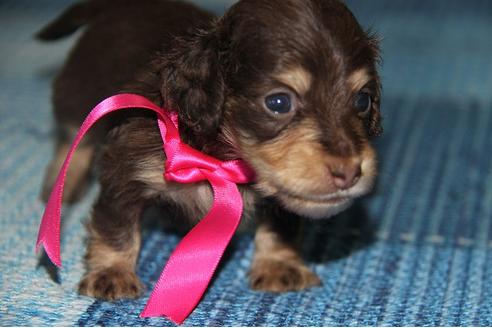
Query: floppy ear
{"points": [[193, 83]]}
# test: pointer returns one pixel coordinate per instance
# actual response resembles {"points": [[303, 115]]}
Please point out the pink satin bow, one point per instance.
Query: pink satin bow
{"points": [[193, 262]]}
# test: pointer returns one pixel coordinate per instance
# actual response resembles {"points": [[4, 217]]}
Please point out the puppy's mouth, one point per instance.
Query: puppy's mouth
{"points": [[314, 207], [335, 197], [318, 206], [322, 199]]}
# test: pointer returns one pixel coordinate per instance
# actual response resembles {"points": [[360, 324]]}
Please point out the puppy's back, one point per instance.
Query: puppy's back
{"points": [[120, 39]]}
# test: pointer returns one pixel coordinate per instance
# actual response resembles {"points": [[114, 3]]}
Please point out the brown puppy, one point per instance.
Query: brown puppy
{"points": [[290, 86]]}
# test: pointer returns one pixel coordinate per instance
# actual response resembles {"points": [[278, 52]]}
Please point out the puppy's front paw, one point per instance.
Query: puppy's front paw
{"points": [[281, 276], [111, 284]]}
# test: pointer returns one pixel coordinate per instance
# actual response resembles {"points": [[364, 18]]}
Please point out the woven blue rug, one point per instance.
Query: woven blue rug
{"points": [[416, 253]]}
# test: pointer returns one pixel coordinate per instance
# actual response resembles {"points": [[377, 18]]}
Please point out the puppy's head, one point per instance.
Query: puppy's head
{"points": [[292, 86]]}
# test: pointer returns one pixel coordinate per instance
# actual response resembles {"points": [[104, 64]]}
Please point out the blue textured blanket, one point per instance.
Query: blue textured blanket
{"points": [[417, 252]]}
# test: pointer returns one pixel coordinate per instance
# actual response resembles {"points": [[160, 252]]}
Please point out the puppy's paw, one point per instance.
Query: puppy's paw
{"points": [[111, 284], [281, 276]]}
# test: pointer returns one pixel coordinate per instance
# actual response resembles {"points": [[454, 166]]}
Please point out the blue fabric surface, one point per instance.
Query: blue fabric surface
{"points": [[418, 252]]}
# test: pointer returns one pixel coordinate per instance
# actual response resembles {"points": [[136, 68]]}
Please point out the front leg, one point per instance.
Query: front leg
{"points": [[114, 244], [131, 156], [277, 265]]}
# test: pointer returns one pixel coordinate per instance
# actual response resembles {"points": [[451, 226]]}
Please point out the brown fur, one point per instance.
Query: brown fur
{"points": [[216, 73]]}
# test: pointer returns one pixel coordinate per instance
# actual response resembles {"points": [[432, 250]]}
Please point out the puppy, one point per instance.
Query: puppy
{"points": [[289, 86]]}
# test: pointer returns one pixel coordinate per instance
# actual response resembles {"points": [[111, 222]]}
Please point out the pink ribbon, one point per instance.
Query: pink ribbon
{"points": [[193, 262]]}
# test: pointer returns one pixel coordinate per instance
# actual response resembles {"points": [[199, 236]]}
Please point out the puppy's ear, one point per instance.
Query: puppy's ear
{"points": [[193, 83]]}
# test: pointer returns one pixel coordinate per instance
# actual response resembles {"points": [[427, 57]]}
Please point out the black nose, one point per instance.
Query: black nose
{"points": [[345, 175]]}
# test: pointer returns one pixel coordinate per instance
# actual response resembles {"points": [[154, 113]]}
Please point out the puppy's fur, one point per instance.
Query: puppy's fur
{"points": [[311, 161]]}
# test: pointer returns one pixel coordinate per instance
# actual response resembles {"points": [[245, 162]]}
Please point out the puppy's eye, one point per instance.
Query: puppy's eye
{"points": [[363, 102], [279, 103]]}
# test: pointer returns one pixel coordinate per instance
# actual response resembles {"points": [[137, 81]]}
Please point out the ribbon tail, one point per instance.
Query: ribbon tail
{"points": [[49, 230], [195, 259]]}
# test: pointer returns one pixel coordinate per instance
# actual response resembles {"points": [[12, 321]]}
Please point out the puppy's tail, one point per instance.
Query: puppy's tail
{"points": [[69, 21]]}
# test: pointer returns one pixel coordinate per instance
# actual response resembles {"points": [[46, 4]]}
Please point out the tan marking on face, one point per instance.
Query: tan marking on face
{"points": [[297, 78], [368, 165], [294, 168], [358, 79], [286, 160]]}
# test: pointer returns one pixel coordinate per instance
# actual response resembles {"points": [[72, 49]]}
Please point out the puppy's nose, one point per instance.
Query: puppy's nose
{"points": [[345, 175]]}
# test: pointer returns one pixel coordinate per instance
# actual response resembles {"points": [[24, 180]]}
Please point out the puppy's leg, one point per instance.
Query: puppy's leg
{"points": [[277, 265], [78, 175], [131, 151], [114, 244]]}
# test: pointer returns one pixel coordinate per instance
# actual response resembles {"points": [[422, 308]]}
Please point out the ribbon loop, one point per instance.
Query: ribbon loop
{"points": [[187, 167], [190, 158], [192, 264]]}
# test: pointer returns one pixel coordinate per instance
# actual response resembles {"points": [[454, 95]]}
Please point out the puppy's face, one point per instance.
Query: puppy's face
{"points": [[302, 101]]}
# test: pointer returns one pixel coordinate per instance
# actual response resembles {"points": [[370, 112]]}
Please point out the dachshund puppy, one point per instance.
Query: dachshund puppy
{"points": [[289, 86]]}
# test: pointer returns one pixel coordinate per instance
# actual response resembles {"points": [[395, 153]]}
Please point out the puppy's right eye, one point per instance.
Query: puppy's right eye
{"points": [[279, 103]]}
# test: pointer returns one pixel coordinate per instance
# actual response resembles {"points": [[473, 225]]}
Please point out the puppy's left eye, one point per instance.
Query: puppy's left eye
{"points": [[279, 103], [363, 102]]}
